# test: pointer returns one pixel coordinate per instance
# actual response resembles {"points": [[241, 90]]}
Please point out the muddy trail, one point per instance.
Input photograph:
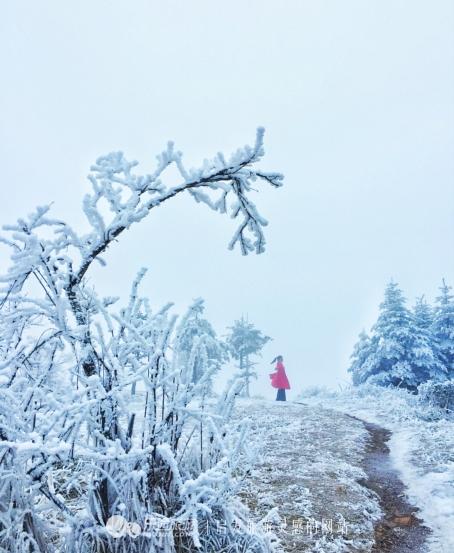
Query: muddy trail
{"points": [[400, 530]]}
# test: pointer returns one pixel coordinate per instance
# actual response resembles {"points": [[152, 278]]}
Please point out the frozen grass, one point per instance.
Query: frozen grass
{"points": [[422, 449], [306, 477]]}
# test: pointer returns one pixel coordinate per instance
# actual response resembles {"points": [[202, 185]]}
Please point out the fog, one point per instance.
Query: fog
{"points": [[357, 99]]}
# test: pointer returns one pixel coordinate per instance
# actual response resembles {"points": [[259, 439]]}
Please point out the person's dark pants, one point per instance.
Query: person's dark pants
{"points": [[280, 395]]}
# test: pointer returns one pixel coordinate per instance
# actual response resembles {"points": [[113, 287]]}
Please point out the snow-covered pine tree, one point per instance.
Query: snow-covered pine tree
{"points": [[423, 313], [443, 326], [76, 447], [360, 359], [197, 345], [402, 349], [426, 356], [245, 341], [389, 362]]}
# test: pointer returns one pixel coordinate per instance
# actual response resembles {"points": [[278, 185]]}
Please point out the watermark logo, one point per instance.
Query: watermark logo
{"points": [[163, 528], [118, 527]]}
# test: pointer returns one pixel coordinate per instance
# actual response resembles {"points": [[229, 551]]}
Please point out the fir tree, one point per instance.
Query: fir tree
{"points": [[403, 349], [443, 326], [385, 358], [245, 341], [391, 341], [426, 355], [423, 313], [360, 359]]}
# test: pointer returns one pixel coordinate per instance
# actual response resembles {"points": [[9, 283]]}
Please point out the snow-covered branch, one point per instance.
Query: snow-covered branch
{"points": [[130, 197]]}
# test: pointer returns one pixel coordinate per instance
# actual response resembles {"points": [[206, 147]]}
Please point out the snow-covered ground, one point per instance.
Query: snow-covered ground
{"points": [[421, 448], [306, 477]]}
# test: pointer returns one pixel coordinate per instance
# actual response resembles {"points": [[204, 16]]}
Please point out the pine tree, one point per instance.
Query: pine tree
{"points": [[360, 359], [443, 326], [426, 355], [245, 341], [386, 358], [423, 313], [403, 349], [391, 341]]}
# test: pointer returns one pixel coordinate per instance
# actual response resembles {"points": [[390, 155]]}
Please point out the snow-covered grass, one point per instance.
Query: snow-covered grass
{"points": [[305, 480], [421, 448]]}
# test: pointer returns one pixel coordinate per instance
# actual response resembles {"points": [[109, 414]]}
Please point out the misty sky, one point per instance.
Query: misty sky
{"points": [[357, 98]]}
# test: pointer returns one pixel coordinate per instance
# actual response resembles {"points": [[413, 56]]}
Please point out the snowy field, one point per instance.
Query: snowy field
{"points": [[305, 478], [421, 448]]}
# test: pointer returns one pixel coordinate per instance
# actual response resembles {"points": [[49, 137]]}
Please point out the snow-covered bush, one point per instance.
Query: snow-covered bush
{"points": [[438, 394], [99, 415], [197, 344], [394, 404]]}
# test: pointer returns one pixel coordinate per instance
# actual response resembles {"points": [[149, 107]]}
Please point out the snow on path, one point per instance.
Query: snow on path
{"points": [[308, 471], [431, 490]]}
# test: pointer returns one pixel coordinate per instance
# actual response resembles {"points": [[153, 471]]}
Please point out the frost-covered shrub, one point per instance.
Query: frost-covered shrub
{"points": [[393, 404], [100, 413], [197, 343], [438, 394]]}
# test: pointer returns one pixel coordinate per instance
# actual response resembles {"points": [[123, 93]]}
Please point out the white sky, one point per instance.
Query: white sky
{"points": [[358, 101]]}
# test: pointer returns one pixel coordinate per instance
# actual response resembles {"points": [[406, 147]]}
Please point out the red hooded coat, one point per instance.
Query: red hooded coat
{"points": [[279, 378]]}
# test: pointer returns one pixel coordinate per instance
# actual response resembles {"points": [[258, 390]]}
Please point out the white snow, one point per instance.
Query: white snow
{"points": [[431, 491]]}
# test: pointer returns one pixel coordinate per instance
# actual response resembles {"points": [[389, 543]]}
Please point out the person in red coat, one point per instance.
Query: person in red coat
{"points": [[279, 379]]}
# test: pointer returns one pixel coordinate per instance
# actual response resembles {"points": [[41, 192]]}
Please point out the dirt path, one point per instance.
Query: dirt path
{"points": [[321, 466], [308, 471], [400, 531]]}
